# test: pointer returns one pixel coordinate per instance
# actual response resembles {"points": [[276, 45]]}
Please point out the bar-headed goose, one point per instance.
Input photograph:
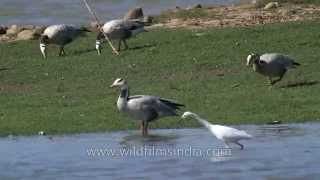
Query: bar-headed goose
{"points": [[121, 30], [271, 65], [60, 35], [224, 133], [144, 107]]}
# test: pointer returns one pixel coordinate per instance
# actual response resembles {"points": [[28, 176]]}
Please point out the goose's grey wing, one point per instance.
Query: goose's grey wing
{"points": [[112, 26], [142, 107], [170, 103], [59, 29], [62, 34], [116, 29], [286, 61], [133, 24], [119, 24], [163, 107], [135, 97], [278, 60]]}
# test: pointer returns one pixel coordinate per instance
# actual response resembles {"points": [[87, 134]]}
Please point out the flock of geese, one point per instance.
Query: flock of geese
{"points": [[63, 34], [148, 108]]}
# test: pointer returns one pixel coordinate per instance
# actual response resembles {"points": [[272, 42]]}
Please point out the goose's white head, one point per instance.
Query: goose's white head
{"points": [[251, 58], [43, 43], [188, 114], [99, 38], [119, 82]]}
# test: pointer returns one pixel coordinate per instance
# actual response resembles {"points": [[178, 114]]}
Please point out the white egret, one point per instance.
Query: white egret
{"points": [[226, 134]]}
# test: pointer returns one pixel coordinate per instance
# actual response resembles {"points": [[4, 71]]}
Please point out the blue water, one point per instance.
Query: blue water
{"points": [[74, 12], [276, 152]]}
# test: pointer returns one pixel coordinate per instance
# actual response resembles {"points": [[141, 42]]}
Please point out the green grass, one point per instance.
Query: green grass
{"points": [[204, 69]]}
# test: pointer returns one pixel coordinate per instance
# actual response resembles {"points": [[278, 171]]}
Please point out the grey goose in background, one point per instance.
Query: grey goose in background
{"points": [[271, 65], [144, 107], [121, 30], [60, 35]]}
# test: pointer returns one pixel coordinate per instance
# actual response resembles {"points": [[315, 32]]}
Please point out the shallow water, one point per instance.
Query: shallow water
{"points": [[74, 12], [282, 151]]}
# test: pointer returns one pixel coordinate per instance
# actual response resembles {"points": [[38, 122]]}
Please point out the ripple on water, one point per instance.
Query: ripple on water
{"points": [[280, 151]]}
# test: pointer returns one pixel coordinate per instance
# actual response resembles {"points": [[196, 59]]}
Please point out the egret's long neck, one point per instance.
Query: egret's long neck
{"points": [[209, 126], [202, 121]]}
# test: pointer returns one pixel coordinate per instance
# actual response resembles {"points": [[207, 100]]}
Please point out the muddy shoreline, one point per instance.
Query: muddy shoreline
{"points": [[239, 16], [197, 16]]}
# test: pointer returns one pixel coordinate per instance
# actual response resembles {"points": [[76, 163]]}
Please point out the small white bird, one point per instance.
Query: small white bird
{"points": [[223, 133], [60, 35], [41, 133], [121, 30], [271, 65]]}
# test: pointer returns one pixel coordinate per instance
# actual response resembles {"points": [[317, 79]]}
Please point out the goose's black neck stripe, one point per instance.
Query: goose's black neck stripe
{"points": [[124, 93]]}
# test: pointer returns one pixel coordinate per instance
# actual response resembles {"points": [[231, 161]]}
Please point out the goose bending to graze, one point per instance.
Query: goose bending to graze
{"points": [[59, 35], [143, 107], [271, 65], [121, 30], [226, 134]]}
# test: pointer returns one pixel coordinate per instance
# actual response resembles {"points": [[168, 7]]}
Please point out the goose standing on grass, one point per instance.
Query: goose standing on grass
{"points": [[143, 107], [226, 134], [121, 30], [271, 65], [59, 35]]}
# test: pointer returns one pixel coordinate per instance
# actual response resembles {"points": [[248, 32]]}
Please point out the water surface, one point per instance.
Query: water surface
{"points": [[74, 12], [276, 152]]}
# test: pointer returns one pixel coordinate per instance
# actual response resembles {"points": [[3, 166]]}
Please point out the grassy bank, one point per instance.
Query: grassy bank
{"points": [[204, 69]]}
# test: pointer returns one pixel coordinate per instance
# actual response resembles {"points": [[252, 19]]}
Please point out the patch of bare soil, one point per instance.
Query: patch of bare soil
{"points": [[299, 84], [245, 15], [20, 88]]}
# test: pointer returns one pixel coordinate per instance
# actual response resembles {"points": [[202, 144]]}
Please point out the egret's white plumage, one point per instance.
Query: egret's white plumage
{"points": [[60, 35], [223, 133], [271, 65], [144, 107], [120, 29]]}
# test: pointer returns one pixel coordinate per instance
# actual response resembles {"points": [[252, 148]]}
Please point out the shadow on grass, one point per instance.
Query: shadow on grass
{"points": [[83, 51], [142, 47], [299, 84], [4, 69]]}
